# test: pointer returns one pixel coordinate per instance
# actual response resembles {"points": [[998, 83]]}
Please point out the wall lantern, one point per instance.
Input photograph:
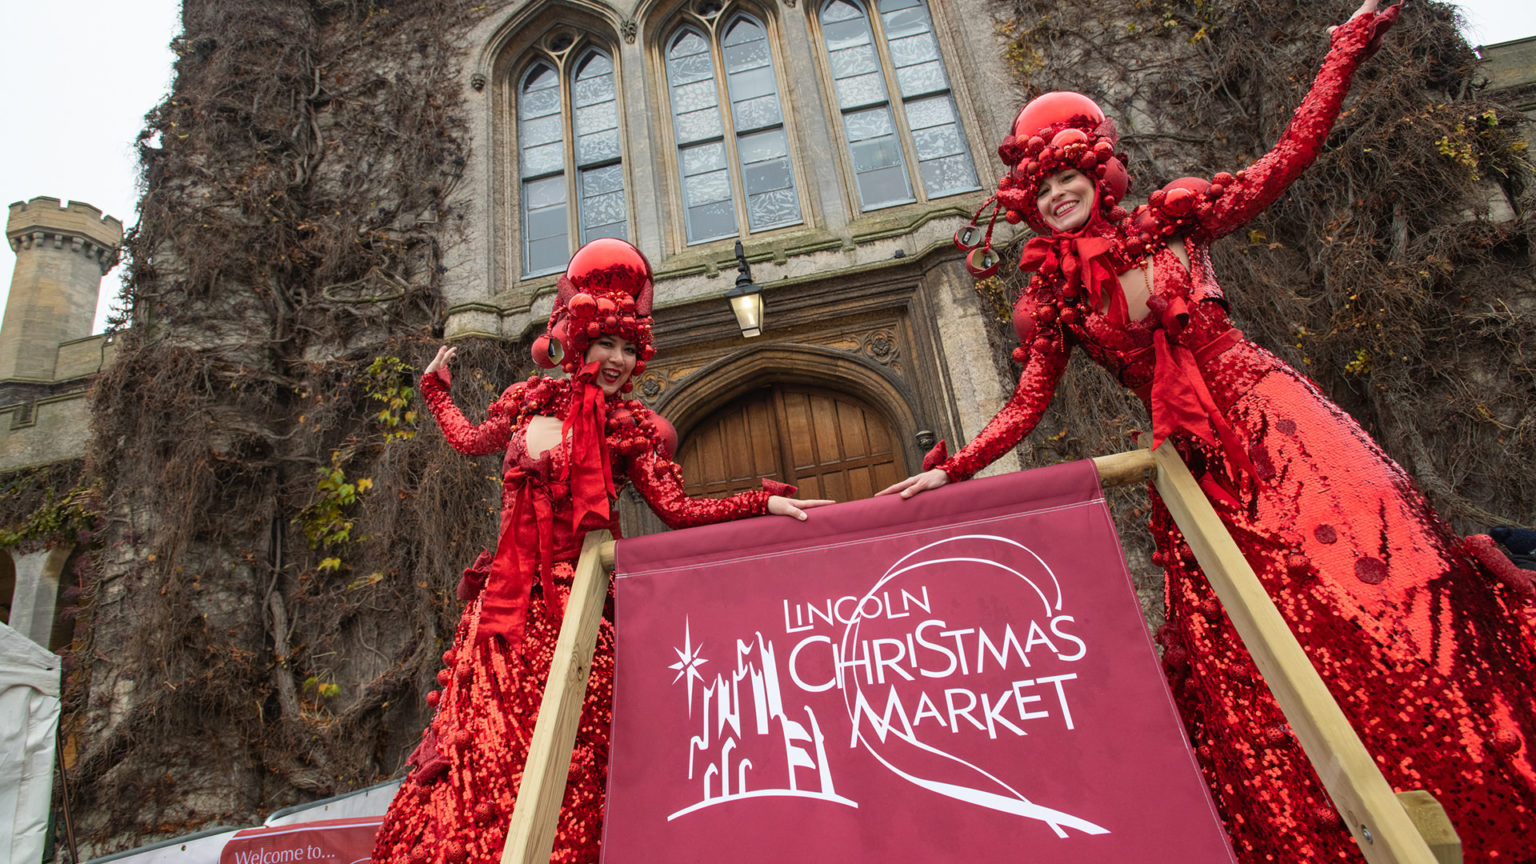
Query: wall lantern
{"points": [[746, 298]]}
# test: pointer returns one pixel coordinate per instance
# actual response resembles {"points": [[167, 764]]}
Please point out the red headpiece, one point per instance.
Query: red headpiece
{"points": [[1053, 132], [606, 290]]}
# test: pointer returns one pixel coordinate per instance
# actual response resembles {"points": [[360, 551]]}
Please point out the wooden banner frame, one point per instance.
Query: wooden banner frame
{"points": [[1407, 828]]}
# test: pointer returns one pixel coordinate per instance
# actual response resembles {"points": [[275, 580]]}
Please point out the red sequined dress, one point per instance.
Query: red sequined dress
{"points": [[1428, 654], [455, 804]]}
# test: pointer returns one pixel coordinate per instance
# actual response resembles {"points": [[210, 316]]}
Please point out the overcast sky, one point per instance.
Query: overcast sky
{"points": [[82, 73]]}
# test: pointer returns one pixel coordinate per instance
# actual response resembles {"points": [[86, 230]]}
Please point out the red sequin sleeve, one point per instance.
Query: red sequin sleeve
{"points": [[660, 482], [1047, 359], [1261, 183], [467, 438]]}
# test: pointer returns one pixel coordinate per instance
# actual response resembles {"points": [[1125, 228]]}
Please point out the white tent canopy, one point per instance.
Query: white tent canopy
{"points": [[29, 717]]}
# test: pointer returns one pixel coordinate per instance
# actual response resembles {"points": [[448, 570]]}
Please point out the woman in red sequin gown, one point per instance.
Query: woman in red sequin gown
{"points": [[1430, 655], [569, 443]]}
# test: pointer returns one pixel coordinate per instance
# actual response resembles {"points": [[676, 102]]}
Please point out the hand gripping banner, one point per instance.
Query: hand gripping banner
{"points": [[962, 676]]}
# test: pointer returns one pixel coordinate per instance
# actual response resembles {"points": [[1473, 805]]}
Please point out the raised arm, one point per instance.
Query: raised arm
{"points": [[467, 438], [1246, 194]]}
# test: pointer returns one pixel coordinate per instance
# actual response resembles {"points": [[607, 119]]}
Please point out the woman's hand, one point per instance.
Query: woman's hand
{"points": [[778, 505], [1383, 20], [439, 363], [931, 479]]}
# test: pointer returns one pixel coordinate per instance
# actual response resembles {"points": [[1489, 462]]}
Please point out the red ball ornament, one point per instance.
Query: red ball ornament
{"points": [[1176, 658], [433, 698], [1020, 354], [1042, 344], [443, 677], [541, 352], [1069, 316], [1222, 178], [1034, 145], [1057, 106], [1024, 323], [606, 306], [1297, 566], [611, 265], [1013, 217], [1116, 179], [1179, 203], [1005, 182], [1156, 198], [1069, 136], [610, 323], [583, 305], [639, 367], [594, 329], [1086, 162], [448, 657], [1505, 741], [1045, 313]]}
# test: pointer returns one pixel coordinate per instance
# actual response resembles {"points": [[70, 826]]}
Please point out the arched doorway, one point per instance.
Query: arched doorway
{"points": [[830, 444]]}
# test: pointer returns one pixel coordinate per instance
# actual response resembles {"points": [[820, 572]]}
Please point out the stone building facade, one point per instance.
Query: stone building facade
{"points": [[843, 143], [47, 360]]}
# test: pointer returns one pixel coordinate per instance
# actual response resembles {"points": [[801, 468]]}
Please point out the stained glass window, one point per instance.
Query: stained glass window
{"points": [[570, 155], [729, 127], [913, 140]]}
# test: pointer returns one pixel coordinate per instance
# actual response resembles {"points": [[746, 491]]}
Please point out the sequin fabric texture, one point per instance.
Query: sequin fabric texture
{"points": [[455, 804], [1432, 659]]}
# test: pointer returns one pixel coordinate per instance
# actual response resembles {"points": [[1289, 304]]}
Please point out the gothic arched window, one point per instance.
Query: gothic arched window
{"points": [[896, 52], [568, 151], [734, 166]]}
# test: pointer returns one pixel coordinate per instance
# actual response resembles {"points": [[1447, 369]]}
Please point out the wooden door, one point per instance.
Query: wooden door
{"points": [[829, 444]]}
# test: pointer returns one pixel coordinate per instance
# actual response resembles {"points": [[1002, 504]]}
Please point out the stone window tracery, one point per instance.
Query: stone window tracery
{"points": [[570, 152], [732, 145], [903, 147]]}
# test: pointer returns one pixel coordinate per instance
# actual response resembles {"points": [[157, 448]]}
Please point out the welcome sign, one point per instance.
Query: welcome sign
{"points": [[961, 676]]}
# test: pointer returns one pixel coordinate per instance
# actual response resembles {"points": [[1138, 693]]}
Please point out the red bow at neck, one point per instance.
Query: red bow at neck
{"points": [[524, 550], [1087, 266]]}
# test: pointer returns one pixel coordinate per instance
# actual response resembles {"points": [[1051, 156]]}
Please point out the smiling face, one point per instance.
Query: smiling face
{"points": [[1065, 200], [615, 357]]}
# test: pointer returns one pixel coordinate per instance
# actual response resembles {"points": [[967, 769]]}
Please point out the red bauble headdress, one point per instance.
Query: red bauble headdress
{"points": [[606, 291], [1053, 132]]}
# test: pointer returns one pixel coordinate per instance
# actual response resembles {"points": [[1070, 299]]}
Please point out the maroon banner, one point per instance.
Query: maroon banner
{"points": [[961, 676], [332, 841]]}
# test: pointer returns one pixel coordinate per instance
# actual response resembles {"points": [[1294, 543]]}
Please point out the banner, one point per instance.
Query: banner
{"points": [[331, 841], [962, 676]]}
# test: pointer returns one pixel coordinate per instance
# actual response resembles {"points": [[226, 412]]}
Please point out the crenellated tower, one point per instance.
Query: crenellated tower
{"points": [[62, 253]]}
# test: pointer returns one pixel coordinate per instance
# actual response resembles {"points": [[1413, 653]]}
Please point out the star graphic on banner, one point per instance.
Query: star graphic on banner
{"points": [[688, 661]]}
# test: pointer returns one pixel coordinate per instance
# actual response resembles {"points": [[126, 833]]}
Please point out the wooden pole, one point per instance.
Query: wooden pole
{"points": [[1123, 469], [1379, 822], [531, 834]]}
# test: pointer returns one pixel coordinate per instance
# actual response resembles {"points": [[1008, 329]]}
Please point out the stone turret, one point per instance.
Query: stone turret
{"points": [[62, 252]]}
